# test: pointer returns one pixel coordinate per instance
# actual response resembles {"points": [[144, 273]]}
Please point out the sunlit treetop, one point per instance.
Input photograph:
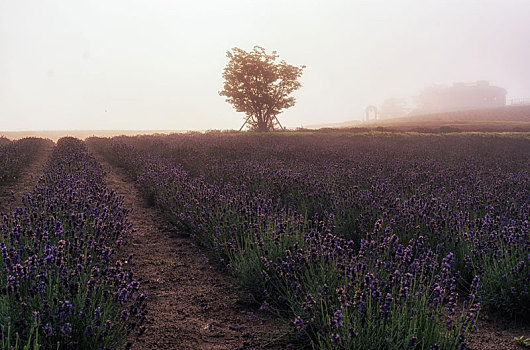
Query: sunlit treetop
{"points": [[259, 86]]}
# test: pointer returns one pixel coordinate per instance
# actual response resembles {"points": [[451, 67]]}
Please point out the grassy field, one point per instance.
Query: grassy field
{"points": [[502, 119]]}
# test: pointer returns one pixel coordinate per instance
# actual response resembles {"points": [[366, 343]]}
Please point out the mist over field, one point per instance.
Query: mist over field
{"points": [[282, 174], [157, 65]]}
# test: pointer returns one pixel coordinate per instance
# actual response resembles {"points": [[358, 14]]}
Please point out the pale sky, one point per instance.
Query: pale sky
{"points": [[154, 64]]}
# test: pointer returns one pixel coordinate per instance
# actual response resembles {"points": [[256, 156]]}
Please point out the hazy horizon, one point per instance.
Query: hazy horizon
{"points": [[139, 65]]}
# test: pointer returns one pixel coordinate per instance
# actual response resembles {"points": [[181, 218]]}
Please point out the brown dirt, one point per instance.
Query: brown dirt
{"points": [[11, 194], [191, 305], [497, 333]]}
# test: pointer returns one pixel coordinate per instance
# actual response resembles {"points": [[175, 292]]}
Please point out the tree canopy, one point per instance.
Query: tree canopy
{"points": [[259, 86]]}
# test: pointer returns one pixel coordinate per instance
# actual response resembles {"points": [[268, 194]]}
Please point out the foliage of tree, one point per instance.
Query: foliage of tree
{"points": [[259, 86], [393, 108]]}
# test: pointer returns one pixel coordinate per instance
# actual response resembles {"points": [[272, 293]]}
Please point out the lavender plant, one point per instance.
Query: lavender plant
{"points": [[447, 210], [64, 283], [15, 155]]}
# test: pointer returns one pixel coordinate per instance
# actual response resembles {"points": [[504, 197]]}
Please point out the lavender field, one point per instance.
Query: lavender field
{"points": [[63, 283], [383, 241], [357, 241], [250, 175], [15, 155]]}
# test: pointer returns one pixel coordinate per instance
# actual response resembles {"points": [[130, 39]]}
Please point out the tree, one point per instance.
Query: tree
{"points": [[258, 86], [393, 108]]}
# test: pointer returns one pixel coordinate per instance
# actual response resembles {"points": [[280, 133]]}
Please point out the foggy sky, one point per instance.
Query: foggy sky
{"points": [[122, 64]]}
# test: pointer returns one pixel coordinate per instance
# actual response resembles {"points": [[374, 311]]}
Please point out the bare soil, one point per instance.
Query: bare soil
{"points": [[497, 333], [11, 194], [191, 304]]}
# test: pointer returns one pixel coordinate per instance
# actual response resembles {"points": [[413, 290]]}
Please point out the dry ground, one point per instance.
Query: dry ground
{"points": [[497, 333], [191, 305], [11, 194]]}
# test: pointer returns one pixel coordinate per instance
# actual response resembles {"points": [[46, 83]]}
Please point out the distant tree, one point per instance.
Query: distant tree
{"points": [[430, 99], [258, 86], [393, 108]]}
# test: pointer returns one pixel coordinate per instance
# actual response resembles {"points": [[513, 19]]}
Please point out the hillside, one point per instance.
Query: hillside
{"points": [[509, 118]]}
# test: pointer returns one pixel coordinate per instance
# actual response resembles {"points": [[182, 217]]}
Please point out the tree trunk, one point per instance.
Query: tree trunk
{"points": [[262, 124]]}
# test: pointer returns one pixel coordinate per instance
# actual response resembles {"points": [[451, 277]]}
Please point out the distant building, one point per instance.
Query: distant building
{"points": [[461, 96]]}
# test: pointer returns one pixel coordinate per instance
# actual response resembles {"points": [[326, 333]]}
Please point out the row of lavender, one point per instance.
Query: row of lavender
{"points": [[14, 155], [467, 194], [417, 215], [64, 285]]}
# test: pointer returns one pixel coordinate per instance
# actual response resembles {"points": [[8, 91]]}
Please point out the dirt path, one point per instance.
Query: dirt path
{"points": [[192, 305], [497, 333], [11, 194]]}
